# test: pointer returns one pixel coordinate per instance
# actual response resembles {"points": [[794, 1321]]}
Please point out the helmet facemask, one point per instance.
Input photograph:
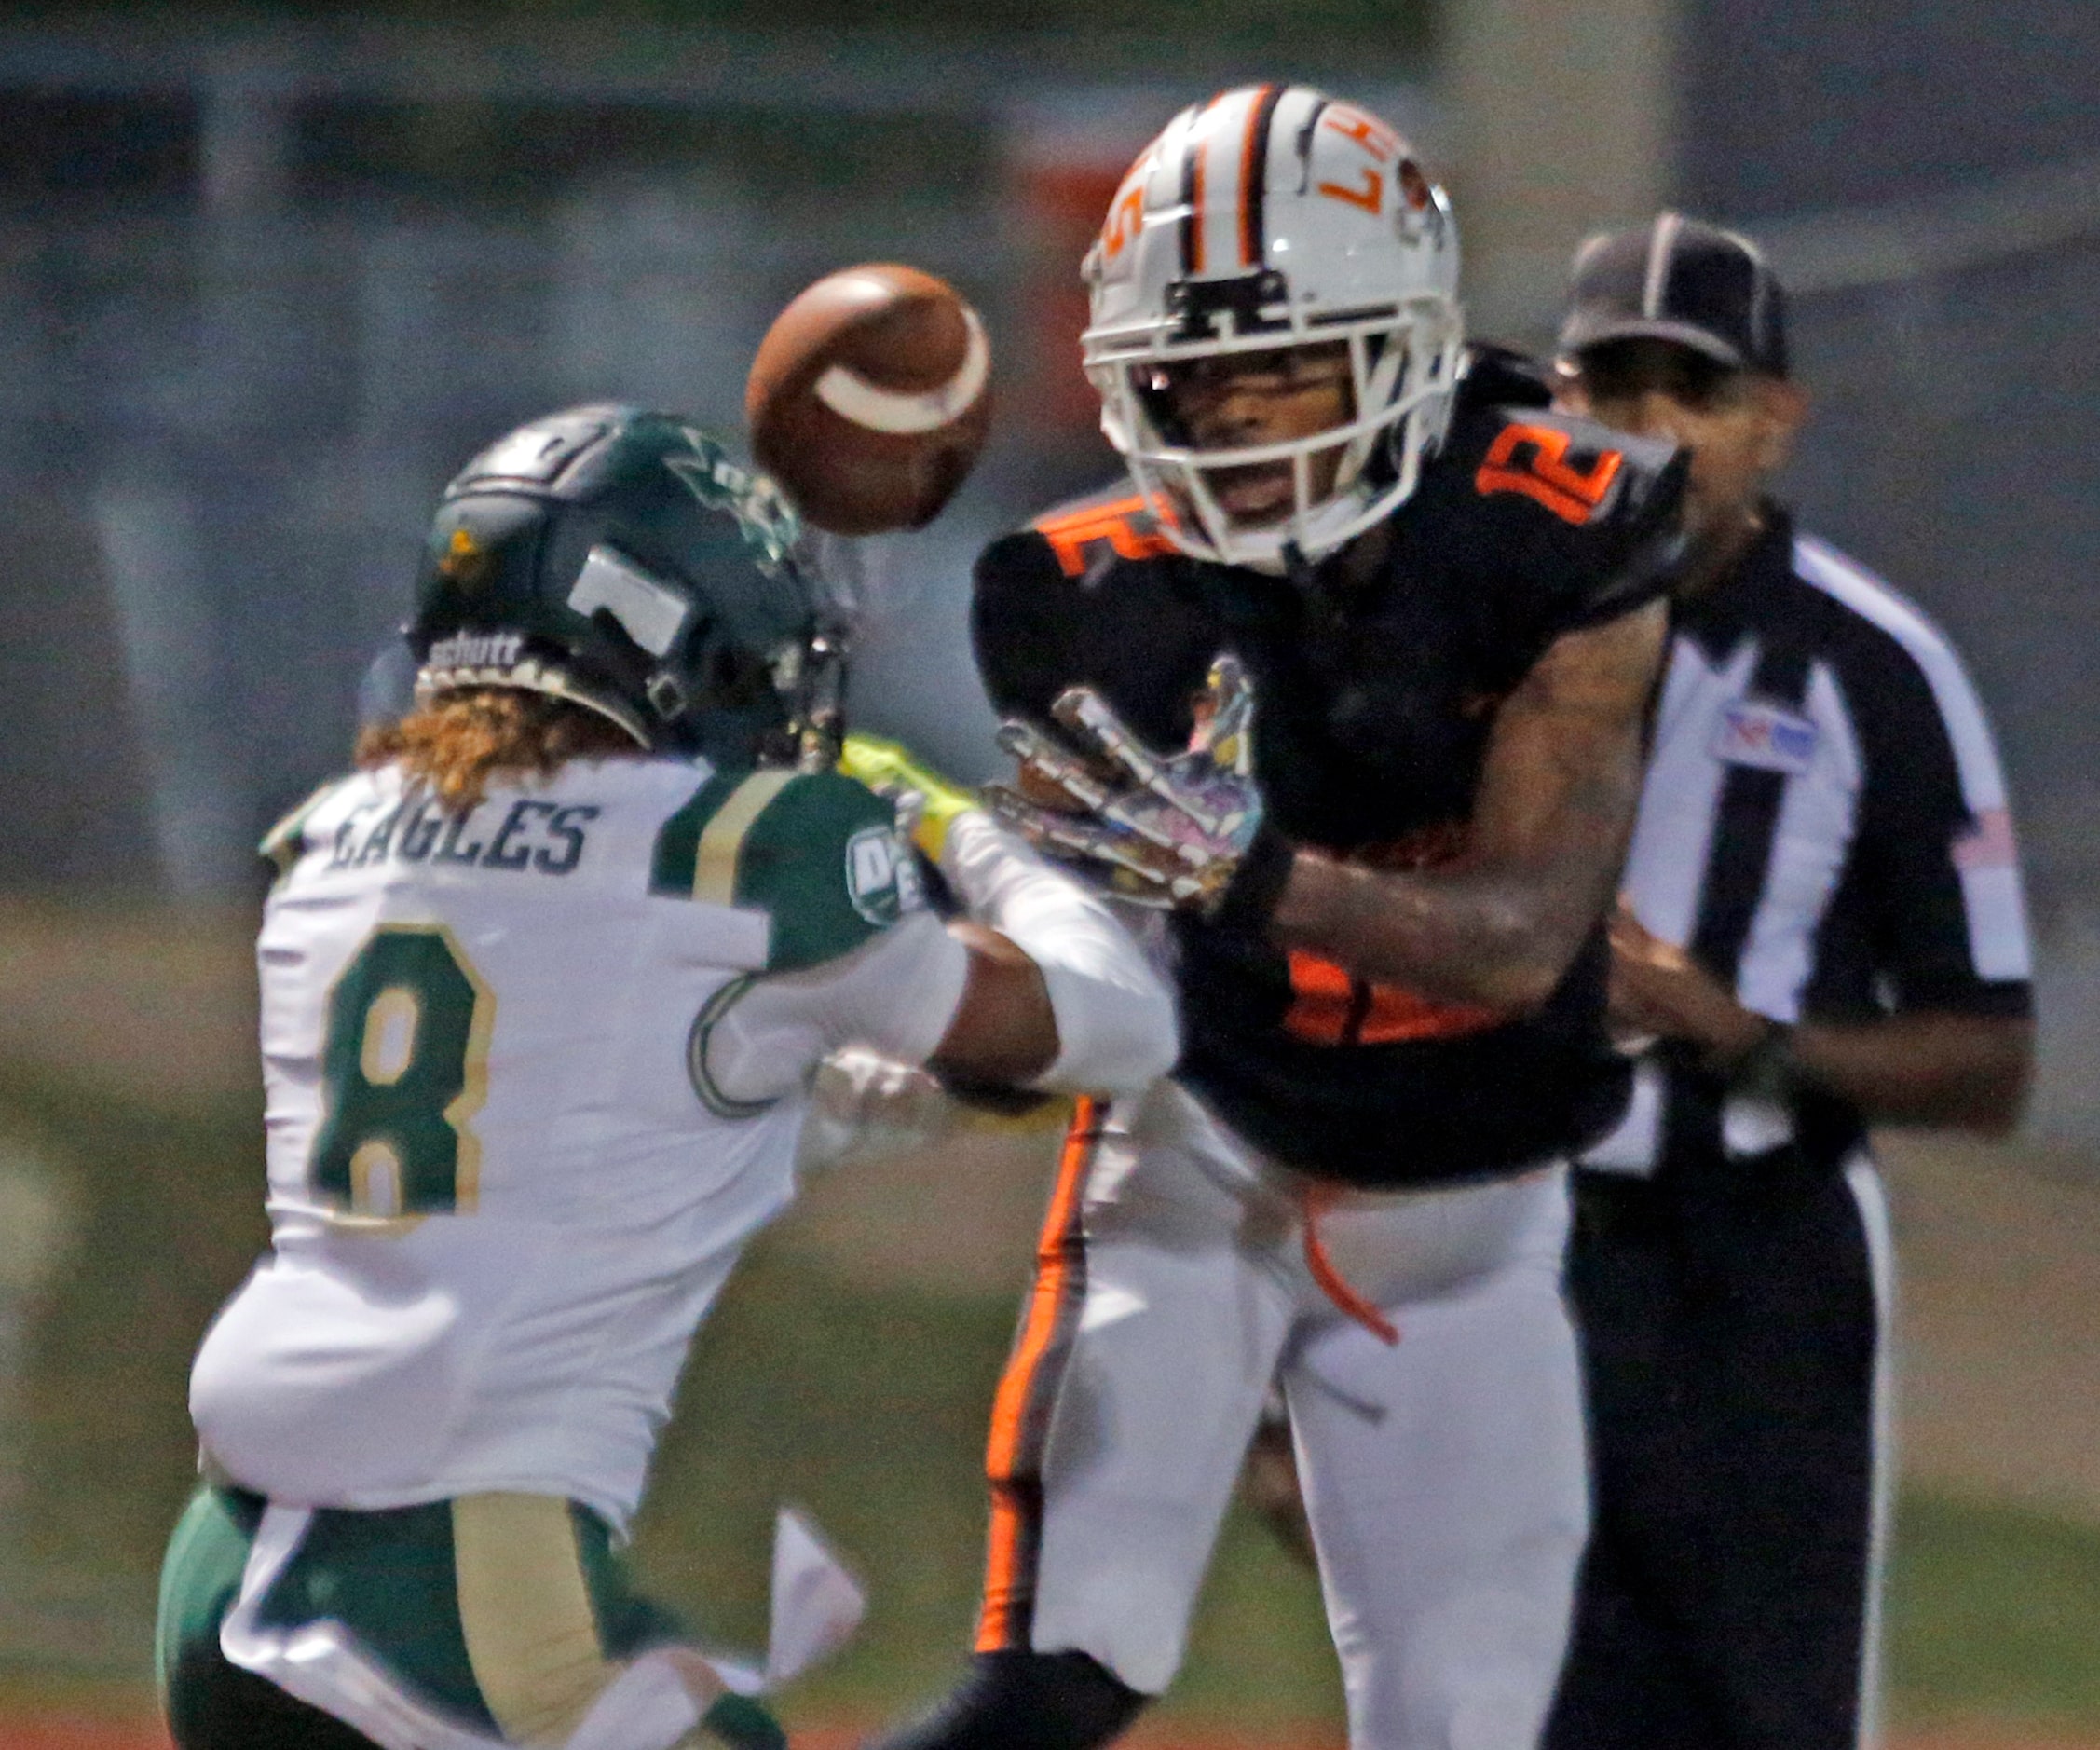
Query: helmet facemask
{"points": [[1401, 365]]}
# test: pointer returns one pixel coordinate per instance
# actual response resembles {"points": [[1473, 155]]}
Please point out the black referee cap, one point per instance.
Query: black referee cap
{"points": [[1678, 280]]}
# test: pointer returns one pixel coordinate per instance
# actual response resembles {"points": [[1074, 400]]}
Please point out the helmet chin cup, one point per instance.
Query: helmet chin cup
{"points": [[1273, 218]]}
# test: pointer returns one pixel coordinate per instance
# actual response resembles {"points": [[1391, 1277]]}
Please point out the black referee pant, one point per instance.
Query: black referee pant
{"points": [[1730, 1328]]}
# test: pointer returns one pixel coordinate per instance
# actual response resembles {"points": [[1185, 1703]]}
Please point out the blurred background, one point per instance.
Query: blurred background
{"points": [[268, 276]]}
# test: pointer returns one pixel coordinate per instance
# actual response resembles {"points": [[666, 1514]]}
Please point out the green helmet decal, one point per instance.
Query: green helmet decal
{"points": [[770, 525], [626, 560]]}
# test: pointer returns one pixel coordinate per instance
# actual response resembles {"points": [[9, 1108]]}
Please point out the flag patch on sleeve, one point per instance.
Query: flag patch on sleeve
{"points": [[1986, 842]]}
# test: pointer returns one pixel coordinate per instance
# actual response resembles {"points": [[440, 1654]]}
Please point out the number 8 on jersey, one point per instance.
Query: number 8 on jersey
{"points": [[403, 1067]]}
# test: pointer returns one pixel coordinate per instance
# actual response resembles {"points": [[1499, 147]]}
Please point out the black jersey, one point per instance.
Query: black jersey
{"points": [[1372, 710]]}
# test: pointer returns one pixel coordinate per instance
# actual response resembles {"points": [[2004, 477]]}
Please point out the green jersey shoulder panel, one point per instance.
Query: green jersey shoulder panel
{"points": [[817, 851]]}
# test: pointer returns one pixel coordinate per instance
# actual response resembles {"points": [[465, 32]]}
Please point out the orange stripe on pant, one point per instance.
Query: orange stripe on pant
{"points": [[1021, 1412]]}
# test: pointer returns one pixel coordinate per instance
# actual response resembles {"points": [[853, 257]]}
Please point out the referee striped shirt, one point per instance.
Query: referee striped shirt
{"points": [[1823, 825]]}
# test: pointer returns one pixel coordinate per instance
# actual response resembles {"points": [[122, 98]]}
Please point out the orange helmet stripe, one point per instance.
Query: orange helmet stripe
{"points": [[1193, 148], [1253, 173]]}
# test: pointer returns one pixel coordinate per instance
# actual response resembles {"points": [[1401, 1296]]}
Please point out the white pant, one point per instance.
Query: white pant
{"points": [[1444, 1475]]}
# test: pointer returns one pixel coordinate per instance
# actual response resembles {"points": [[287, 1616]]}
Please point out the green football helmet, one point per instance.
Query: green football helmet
{"points": [[624, 560]]}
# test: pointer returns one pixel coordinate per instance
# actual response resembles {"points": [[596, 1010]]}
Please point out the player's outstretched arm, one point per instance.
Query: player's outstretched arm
{"points": [[1038, 987], [1501, 925], [1059, 996], [1005, 1031]]}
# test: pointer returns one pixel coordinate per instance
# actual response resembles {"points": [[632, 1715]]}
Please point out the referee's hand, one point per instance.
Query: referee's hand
{"points": [[1659, 989]]}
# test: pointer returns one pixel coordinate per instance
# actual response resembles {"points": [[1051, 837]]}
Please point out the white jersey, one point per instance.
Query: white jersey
{"points": [[504, 1187]]}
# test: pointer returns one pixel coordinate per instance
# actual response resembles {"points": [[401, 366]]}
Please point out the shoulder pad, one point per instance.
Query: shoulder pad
{"points": [[1092, 594], [1582, 520], [819, 853], [1026, 623]]}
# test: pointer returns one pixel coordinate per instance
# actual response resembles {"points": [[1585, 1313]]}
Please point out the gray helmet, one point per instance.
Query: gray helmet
{"points": [[624, 560]]}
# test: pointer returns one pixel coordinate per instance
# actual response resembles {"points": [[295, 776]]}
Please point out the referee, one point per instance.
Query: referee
{"points": [[1822, 928]]}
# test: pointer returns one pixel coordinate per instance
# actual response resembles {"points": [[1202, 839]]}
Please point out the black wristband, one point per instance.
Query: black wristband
{"points": [[1251, 896]]}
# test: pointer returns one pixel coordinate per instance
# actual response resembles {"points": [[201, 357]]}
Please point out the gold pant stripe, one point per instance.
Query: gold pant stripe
{"points": [[531, 1636], [715, 865]]}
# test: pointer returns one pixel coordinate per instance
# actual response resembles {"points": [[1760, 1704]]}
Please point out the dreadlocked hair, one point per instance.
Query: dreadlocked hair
{"points": [[456, 742]]}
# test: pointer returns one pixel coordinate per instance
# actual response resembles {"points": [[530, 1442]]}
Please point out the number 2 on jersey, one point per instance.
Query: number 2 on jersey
{"points": [[404, 1066], [1572, 494]]}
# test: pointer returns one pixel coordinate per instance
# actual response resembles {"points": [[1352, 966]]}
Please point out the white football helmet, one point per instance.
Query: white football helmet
{"points": [[1275, 217]]}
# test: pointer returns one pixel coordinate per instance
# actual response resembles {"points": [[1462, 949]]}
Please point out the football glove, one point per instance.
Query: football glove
{"points": [[1186, 832], [926, 802]]}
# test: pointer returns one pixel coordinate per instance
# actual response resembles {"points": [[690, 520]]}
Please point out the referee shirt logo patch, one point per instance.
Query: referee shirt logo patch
{"points": [[1764, 737]]}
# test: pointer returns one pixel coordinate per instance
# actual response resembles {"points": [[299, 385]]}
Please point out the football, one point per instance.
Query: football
{"points": [[870, 398]]}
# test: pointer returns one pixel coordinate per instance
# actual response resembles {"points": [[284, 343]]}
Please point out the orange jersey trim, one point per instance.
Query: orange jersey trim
{"points": [[1074, 532], [1016, 1500], [1572, 494], [1329, 1008]]}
